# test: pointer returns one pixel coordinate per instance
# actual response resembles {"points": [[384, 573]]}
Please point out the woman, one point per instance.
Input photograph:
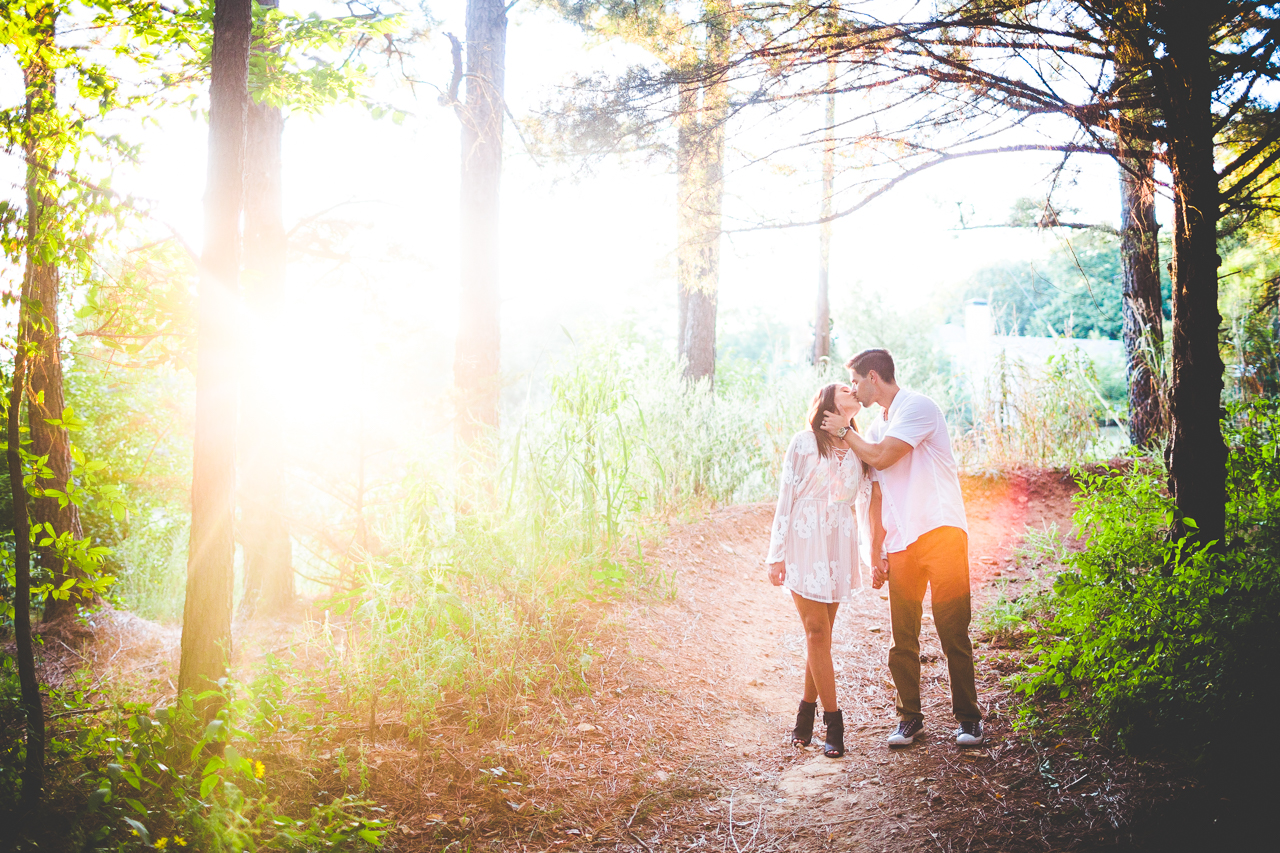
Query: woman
{"points": [[814, 550]]}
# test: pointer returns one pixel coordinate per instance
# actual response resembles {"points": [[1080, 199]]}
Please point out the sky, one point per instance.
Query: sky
{"points": [[582, 251], [577, 249]]}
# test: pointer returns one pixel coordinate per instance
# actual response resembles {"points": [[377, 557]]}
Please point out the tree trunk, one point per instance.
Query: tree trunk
{"points": [[264, 530], [687, 141], [1197, 452], [32, 703], [206, 622], [702, 200], [476, 353], [822, 318], [41, 145], [1142, 306]]}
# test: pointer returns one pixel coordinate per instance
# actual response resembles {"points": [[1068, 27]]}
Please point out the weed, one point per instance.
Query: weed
{"points": [[1040, 547], [1044, 417]]}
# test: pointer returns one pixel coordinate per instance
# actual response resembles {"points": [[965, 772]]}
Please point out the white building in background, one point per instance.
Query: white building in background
{"points": [[975, 348]]}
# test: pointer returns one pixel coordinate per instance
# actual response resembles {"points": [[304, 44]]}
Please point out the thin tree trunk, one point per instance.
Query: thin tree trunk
{"points": [[268, 565], [41, 147], [476, 354], [700, 244], [1143, 320], [687, 142], [32, 704], [206, 624], [822, 318], [1197, 453]]}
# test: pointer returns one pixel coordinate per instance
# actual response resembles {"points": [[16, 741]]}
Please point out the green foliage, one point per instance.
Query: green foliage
{"points": [[921, 364], [484, 588], [1253, 476], [162, 779], [1040, 548], [89, 492], [1156, 642], [1011, 614], [1045, 418], [1248, 297], [141, 435], [140, 311], [308, 62], [1075, 292]]}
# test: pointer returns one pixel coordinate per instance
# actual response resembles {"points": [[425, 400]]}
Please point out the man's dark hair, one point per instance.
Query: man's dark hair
{"points": [[868, 360]]}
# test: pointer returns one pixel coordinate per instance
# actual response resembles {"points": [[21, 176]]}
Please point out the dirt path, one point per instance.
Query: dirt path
{"points": [[711, 683], [681, 741]]}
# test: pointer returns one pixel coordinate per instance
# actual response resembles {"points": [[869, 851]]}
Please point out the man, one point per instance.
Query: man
{"points": [[923, 530]]}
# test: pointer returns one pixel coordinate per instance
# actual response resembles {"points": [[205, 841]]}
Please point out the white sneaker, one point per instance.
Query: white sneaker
{"points": [[906, 732], [970, 734]]}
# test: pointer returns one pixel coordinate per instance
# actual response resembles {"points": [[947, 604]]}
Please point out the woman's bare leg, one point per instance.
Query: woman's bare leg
{"points": [[819, 674]]}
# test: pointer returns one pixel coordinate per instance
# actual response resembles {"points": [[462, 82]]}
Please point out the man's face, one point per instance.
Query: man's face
{"points": [[864, 387]]}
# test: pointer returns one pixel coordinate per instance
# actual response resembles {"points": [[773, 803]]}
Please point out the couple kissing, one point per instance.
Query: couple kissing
{"points": [[899, 487]]}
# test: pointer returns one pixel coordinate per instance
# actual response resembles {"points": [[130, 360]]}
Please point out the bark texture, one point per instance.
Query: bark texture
{"points": [[476, 354], [206, 624], [1197, 453], [704, 110], [1143, 318], [264, 528], [32, 703], [42, 148]]}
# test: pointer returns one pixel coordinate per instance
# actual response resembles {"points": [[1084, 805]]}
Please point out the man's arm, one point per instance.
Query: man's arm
{"points": [[878, 454]]}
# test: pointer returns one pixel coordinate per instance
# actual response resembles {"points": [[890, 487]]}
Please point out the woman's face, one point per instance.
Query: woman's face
{"points": [[846, 401]]}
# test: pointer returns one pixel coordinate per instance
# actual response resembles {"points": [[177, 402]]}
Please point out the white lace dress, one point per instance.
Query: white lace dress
{"points": [[816, 525]]}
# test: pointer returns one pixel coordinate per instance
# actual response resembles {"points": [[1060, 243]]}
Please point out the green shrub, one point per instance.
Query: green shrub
{"points": [[1159, 643], [138, 429], [160, 779]]}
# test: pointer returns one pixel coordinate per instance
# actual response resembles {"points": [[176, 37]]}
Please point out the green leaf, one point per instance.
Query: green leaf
{"points": [[140, 829], [208, 784], [216, 728]]}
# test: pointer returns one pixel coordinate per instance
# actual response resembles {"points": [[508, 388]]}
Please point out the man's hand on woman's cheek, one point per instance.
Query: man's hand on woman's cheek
{"points": [[833, 423]]}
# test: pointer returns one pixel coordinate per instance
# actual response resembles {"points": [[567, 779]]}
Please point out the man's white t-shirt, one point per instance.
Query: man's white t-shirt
{"points": [[921, 491]]}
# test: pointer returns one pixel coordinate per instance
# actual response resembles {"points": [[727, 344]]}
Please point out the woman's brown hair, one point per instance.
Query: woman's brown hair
{"points": [[824, 401]]}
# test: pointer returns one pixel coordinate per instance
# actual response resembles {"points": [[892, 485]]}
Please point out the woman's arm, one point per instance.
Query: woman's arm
{"points": [[782, 516]]}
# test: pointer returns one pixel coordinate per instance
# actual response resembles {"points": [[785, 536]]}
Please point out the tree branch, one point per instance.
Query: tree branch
{"points": [[938, 161]]}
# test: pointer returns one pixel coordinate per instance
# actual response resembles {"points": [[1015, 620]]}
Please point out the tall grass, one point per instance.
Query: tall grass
{"points": [[487, 584], [1045, 418], [496, 600]]}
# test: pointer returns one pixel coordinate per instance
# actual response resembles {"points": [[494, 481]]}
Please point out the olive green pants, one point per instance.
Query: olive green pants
{"points": [[940, 560]]}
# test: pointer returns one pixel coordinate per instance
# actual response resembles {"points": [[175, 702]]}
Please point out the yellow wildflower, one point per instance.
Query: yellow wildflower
{"points": [[180, 841], [258, 769], [162, 843]]}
